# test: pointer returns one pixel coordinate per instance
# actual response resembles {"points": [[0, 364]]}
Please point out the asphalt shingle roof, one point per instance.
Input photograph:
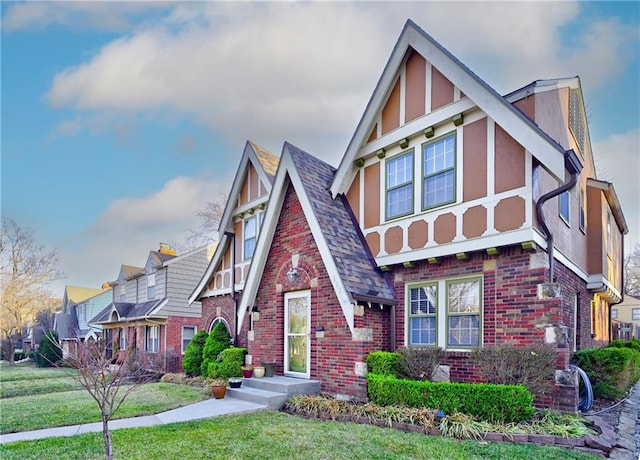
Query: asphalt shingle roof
{"points": [[127, 311], [342, 234]]}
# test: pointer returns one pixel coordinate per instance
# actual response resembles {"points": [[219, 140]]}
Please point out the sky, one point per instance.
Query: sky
{"points": [[121, 119]]}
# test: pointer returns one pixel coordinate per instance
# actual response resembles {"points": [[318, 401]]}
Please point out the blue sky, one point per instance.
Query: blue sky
{"points": [[121, 119]]}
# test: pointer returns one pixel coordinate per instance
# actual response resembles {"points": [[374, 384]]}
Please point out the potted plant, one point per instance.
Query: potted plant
{"points": [[235, 382], [247, 371], [218, 387]]}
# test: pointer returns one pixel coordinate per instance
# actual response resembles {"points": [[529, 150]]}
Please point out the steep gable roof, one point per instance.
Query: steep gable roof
{"points": [[520, 127], [266, 164], [77, 294], [340, 243]]}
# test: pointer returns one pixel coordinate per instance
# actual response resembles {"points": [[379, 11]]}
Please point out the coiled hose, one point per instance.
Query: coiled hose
{"points": [[585, 390]]}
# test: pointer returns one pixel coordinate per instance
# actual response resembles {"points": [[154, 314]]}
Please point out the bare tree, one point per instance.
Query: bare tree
{"points": [[26, 269], [632, 272], [108, 383], [210, 215]]}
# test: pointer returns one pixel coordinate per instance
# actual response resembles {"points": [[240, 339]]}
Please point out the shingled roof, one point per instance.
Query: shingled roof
{"points": [[343, 236], [127, 311]]}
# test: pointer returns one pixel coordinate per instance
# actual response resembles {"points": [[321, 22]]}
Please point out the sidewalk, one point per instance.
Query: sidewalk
{"points": [[203, 409]]}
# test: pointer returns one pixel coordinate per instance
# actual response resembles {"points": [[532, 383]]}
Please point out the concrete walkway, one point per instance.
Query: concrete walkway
{"points": [[203, 409]]}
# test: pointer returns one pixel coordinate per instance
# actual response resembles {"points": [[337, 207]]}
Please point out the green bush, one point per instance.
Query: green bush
{"points": [[218, 340], [532, 365], [229, 363], [634, 344], [486, 402], [18, 356], [50, 352], [385, 363], [193, 354], [420, 363], [612, 370]]}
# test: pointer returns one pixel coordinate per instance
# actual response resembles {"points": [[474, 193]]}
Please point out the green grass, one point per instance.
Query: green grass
{"points": [[277, 435], [29, 372], [76, 407]]}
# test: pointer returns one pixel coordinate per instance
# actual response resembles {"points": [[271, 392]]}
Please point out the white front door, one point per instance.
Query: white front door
{"points": [[297, 344]]}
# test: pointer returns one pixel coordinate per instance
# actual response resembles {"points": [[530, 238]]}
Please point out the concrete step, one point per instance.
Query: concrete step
{"points": [[271, 399], [287, 385]]}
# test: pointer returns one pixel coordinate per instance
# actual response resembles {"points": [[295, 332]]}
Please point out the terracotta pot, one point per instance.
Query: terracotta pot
{"points": [[218, 391], [258, 372]]}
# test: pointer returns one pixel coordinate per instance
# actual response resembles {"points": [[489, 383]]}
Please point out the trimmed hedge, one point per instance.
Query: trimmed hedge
{"points": [[486, 402], [229, 364], [634, 344], [192, 361], [612, 370], [218, 340]]}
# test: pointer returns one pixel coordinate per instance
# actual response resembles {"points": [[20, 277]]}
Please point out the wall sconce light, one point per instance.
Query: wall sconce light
{"points": [[292, 275]]}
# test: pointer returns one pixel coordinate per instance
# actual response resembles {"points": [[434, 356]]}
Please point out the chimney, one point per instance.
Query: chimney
{"points": [[167, 249]]}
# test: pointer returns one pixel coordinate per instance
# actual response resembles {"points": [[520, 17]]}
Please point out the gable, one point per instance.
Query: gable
{"points": [[423, 85]]}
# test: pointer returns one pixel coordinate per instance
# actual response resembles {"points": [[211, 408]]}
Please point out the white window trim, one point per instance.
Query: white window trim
{"points": [[155, 338], [195, 331], [442, 314]]}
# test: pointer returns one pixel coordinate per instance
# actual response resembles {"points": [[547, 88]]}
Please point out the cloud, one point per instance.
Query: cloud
{"points": [[275, 71], [618, 162], [131, 227], [77, 15]]}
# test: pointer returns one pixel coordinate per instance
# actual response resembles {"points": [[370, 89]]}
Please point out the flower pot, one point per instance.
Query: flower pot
{"points": [[269, 366], [218, 391], [235, 382], [258, 372], [247, 371]]}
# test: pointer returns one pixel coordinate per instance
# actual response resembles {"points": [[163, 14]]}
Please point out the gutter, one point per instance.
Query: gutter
{"points": [[573, 166]]}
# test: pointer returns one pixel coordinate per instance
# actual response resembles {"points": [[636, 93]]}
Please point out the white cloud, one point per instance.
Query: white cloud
{"points": [[131, 227], [303, 72], [618, 162]]}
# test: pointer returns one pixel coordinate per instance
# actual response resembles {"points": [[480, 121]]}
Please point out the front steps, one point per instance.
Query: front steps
{"points": [[274, 391]]}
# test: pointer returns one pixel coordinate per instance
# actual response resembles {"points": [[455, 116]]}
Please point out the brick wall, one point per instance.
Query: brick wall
{"points": [[334, 352]]}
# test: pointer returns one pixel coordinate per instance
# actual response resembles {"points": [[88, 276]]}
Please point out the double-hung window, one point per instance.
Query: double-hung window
{"points": [[439, 169], [445, 313], [123, 338], [250, 236], [399, 192], [152, 339], [187, 334], [151, 286]]}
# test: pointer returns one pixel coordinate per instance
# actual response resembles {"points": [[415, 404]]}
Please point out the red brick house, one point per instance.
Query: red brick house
{"points": [[457, 218]]}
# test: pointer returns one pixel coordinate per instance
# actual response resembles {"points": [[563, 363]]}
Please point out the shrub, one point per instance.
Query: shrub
{"points": [[229, 363], [50, 352], [634, 344], [385, 363], [486, 402], [193, 354], [420, 363], [531, 365], [18, 356], [612, 370], [218, 340]]}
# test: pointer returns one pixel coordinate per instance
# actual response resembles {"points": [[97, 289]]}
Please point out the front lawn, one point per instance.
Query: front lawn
{"points": [[268, 434]]}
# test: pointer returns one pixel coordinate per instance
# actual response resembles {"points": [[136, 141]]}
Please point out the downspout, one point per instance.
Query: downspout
{"points": [[621, 290], [573, 166], [232, 238]]}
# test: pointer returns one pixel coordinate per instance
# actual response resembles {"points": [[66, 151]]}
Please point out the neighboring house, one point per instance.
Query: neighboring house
{"points": [[239, 229], [625, 318], [149, 310], [457, 218], [78, 305]]}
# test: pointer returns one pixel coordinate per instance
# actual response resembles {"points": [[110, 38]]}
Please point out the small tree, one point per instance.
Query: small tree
{"points": [[218, 340], [193, 354], [109, 385], [50, 352]]}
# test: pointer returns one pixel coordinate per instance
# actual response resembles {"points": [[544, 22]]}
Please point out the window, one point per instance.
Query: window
{"points": [[399, 185], [152, 338], [635, 315], [446, 313], [439, 172], [122, 345], [250, 235], [564, 206], [422, 315], [187, 334], [614, 313], [151, 286], [583, 215]]}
